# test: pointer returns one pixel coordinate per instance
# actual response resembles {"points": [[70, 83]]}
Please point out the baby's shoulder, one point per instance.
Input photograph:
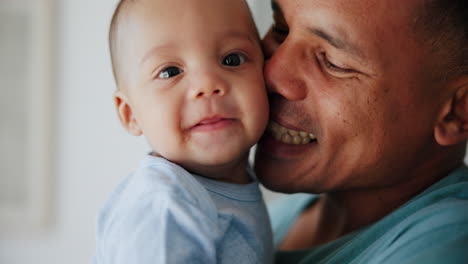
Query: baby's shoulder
{"points": [[160, 178], [156, 188]]}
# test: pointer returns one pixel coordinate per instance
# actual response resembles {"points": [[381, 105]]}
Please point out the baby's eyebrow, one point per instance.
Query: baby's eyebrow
{"points": [[154, 50], [237, 34], [231, 34]]}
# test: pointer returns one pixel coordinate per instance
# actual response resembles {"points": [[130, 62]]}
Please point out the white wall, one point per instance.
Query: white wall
{"points": [[92, 152], [262, 13]]}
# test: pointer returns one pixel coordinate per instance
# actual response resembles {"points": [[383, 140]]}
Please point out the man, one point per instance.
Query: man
{"points": [[369, 108]]}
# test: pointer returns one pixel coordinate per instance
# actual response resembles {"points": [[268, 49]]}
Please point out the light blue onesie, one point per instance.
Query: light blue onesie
{"points": [[163, 214]]}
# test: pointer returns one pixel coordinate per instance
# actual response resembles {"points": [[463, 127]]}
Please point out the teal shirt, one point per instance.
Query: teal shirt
{"points": [[430, 228]]}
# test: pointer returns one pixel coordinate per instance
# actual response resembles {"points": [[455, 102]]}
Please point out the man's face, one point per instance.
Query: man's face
{"points": [[195, 80], [354, 78]]}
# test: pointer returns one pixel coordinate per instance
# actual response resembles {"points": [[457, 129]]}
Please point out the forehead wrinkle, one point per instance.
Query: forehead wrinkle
{"points": [[329, 32], [335, 41]]}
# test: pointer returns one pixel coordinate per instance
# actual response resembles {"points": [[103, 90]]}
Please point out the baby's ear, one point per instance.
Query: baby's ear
{"points": [[125, 113], [452, 126]]}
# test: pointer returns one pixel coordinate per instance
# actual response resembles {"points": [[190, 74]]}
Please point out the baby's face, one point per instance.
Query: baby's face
{"points": [[195, 84]]}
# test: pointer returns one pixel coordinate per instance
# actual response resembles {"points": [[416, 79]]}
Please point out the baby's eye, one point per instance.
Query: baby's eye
{"points": [[169, 72], [234, 59]]}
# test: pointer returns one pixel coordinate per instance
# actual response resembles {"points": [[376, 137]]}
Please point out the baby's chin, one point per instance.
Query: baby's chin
{"points": [[224, 160], [216, 166]]}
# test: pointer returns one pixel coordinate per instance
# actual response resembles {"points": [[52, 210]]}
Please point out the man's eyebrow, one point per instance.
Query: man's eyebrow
{"points": [[336, 41], [276, 7]]}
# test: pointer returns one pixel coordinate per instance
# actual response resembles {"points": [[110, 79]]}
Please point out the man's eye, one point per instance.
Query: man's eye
{"points": [[280, 30], [332, 67], [279, 33], [234, 59], [169, 72]]}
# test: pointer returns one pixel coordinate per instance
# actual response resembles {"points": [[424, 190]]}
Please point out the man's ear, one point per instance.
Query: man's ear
{"points": [[125, 113], [452, 126]]}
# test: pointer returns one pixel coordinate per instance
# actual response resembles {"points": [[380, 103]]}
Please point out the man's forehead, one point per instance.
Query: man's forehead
{"points": [[350, 6], [351, 15], [368, 30]]}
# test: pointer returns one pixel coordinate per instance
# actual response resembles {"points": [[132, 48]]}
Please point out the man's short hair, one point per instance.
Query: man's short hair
{"points": [[444, 24]]}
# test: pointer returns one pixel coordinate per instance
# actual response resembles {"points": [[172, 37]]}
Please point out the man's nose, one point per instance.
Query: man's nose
{"points": [[208, 84], [283, 73]]}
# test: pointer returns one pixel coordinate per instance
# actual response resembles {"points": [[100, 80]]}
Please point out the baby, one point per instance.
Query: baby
{"points": [[190, 79]]}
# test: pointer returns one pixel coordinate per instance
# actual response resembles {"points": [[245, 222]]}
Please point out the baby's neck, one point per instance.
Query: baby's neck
{"points": [[232, 172], [235, 172]]}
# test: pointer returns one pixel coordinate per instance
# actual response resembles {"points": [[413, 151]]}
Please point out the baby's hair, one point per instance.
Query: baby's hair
{"points": [[120, 11]]}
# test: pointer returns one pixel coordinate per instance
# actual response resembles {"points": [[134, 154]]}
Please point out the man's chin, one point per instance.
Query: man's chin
{"points": [[271, 174], [283, 175], [286, 167]]}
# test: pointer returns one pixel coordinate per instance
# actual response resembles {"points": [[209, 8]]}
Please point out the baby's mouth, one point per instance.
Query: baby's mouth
{"points": [[289, 136], [212, 123]]}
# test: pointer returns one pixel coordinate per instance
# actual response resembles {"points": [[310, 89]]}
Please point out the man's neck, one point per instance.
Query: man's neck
{"points": [[336, 214]]}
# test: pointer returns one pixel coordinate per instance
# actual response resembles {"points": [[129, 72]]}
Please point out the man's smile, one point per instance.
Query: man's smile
{"points": [[289, 136]]}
